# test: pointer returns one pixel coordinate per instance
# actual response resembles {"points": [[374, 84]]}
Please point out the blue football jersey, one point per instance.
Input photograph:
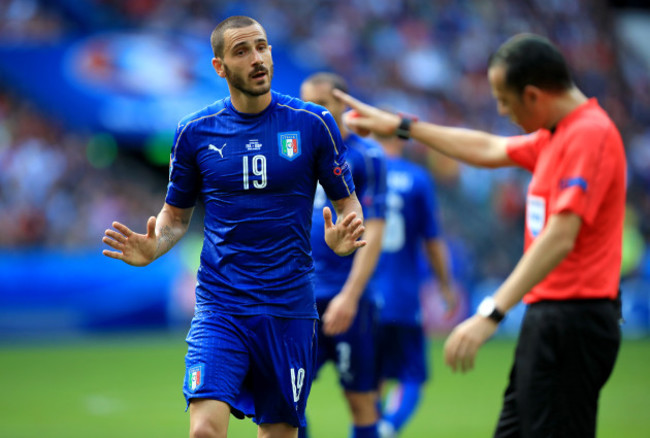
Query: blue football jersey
{"points": [[367, 161], [411, 218], [256, 174]]}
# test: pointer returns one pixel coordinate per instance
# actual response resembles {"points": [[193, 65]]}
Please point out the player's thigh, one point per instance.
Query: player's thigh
{"points": [[282, 368], [357, 351], [276, 430], [209, 418], [217, 358]]}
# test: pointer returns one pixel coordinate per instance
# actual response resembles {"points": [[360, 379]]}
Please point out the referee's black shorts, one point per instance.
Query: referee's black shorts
{"points": [[565, 354]]}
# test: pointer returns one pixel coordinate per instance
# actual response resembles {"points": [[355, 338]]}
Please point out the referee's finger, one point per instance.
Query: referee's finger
{"points": [[450, 352]]}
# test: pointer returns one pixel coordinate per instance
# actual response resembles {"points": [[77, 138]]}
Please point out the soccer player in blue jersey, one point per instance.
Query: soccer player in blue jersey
{"points": [[254, 159], [412, 228], [349, 316]]}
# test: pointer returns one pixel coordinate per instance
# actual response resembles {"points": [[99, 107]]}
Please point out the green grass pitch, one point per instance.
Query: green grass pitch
{"points": [[130, 386]]}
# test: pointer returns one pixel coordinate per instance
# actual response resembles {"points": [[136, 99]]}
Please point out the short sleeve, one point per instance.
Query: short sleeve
{"points": [[583, 175], [334, 173], [524, 149], [183, 186]]}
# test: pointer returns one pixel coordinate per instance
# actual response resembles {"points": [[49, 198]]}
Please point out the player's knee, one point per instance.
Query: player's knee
{"points": [[204, 428], [363, 407]]}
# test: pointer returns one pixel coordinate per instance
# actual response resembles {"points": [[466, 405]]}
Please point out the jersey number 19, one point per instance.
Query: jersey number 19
{"points": [[258, 168]]}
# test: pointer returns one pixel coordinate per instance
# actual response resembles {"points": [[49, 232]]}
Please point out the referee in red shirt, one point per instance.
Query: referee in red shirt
{"points": [[569, 273]]}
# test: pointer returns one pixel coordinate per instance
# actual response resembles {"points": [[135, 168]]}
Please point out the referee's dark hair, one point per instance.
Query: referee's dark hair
{"points": [[234, 22], [532, 60], [336, 81]]}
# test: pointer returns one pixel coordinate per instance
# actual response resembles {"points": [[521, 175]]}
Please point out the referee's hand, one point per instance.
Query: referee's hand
{"points": [[464, 341]]}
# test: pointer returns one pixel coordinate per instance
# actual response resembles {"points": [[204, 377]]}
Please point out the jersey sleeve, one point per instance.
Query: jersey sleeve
{"points": [[183, 186], [334, 173], [374, 197], [524, 149], [583, 175], [430, 225]]}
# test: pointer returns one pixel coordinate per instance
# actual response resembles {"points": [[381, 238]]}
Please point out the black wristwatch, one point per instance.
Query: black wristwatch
{"points": [[488, 309], [403, 131]]}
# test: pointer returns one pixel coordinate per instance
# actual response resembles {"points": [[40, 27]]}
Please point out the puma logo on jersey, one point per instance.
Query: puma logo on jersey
{"points": [[220, 150], [325, 112]]}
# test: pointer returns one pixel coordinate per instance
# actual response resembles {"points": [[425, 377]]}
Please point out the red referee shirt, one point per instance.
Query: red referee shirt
{"points": [[580, 168]]}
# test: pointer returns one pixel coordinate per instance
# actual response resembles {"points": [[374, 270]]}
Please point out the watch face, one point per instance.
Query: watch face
{"points": [[486, 307]]}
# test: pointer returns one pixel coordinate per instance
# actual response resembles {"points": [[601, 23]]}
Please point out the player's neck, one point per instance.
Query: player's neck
{"points": [[247, 104]]}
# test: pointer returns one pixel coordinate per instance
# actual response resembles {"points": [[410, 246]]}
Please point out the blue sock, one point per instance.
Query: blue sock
{"points": [[399, 411], [302, 432], [365, 431]]}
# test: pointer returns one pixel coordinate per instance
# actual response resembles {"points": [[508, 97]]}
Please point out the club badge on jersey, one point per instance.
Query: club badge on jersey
{"points": [[289, 144], [195, 377]]}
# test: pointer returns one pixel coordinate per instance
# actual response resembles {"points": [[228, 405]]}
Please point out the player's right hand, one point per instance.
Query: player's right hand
{"points": [[132, 248], [339, 315]]}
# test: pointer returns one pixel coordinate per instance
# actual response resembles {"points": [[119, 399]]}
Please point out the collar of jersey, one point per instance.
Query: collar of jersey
{"points": [[274, 99]]}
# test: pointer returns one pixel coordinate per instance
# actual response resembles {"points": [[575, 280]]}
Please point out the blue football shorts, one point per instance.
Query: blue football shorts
{"points": [[354, 353], [261, 365], [403, 353]]}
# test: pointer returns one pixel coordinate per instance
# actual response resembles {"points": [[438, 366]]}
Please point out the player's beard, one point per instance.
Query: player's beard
{"points": [[239, 81]]}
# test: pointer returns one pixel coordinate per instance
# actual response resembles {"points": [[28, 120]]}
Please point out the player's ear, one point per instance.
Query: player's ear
{"points": [[531, 94], [218, 66]]}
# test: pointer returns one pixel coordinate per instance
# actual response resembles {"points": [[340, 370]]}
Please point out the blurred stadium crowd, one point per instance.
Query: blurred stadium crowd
{"points": [[423, 57]]}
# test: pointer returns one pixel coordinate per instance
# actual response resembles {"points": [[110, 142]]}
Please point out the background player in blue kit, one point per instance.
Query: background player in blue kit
{"points": [[345, 300], [254, 159], [412, 228]]}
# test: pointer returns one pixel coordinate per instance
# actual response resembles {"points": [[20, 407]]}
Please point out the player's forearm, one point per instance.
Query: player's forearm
{"points": [[365, 260], [471, 146], [438, 259], [171, 224], [545, 253], [348, 205]]}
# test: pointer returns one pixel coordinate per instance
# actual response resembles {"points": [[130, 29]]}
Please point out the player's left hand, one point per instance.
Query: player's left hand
{"points": [[464, 341], [343, 237], [339, 315], [451, 301]]}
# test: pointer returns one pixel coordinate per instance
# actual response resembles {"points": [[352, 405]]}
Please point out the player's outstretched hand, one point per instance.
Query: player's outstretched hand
{"points": [[464, 341], [364, 118], [343, 237], [132, 248], [339, 315]]}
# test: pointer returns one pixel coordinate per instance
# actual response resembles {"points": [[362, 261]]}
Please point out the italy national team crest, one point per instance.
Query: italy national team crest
{"points": [[289, 144], [195, 377]]}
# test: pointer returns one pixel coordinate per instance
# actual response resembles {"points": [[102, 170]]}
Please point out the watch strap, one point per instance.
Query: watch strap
{"points": [[403, 131], [496, 315]]}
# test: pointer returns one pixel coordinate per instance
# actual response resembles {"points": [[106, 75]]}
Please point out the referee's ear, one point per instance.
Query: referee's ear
{"points": [[217, 64]]}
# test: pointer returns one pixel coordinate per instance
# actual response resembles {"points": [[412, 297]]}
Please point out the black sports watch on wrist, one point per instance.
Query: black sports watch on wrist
{"points": [[488, 309], [403, 131]]}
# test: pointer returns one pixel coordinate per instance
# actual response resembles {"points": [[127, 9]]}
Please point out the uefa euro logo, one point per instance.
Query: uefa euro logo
{"points": [[289, 145]]}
